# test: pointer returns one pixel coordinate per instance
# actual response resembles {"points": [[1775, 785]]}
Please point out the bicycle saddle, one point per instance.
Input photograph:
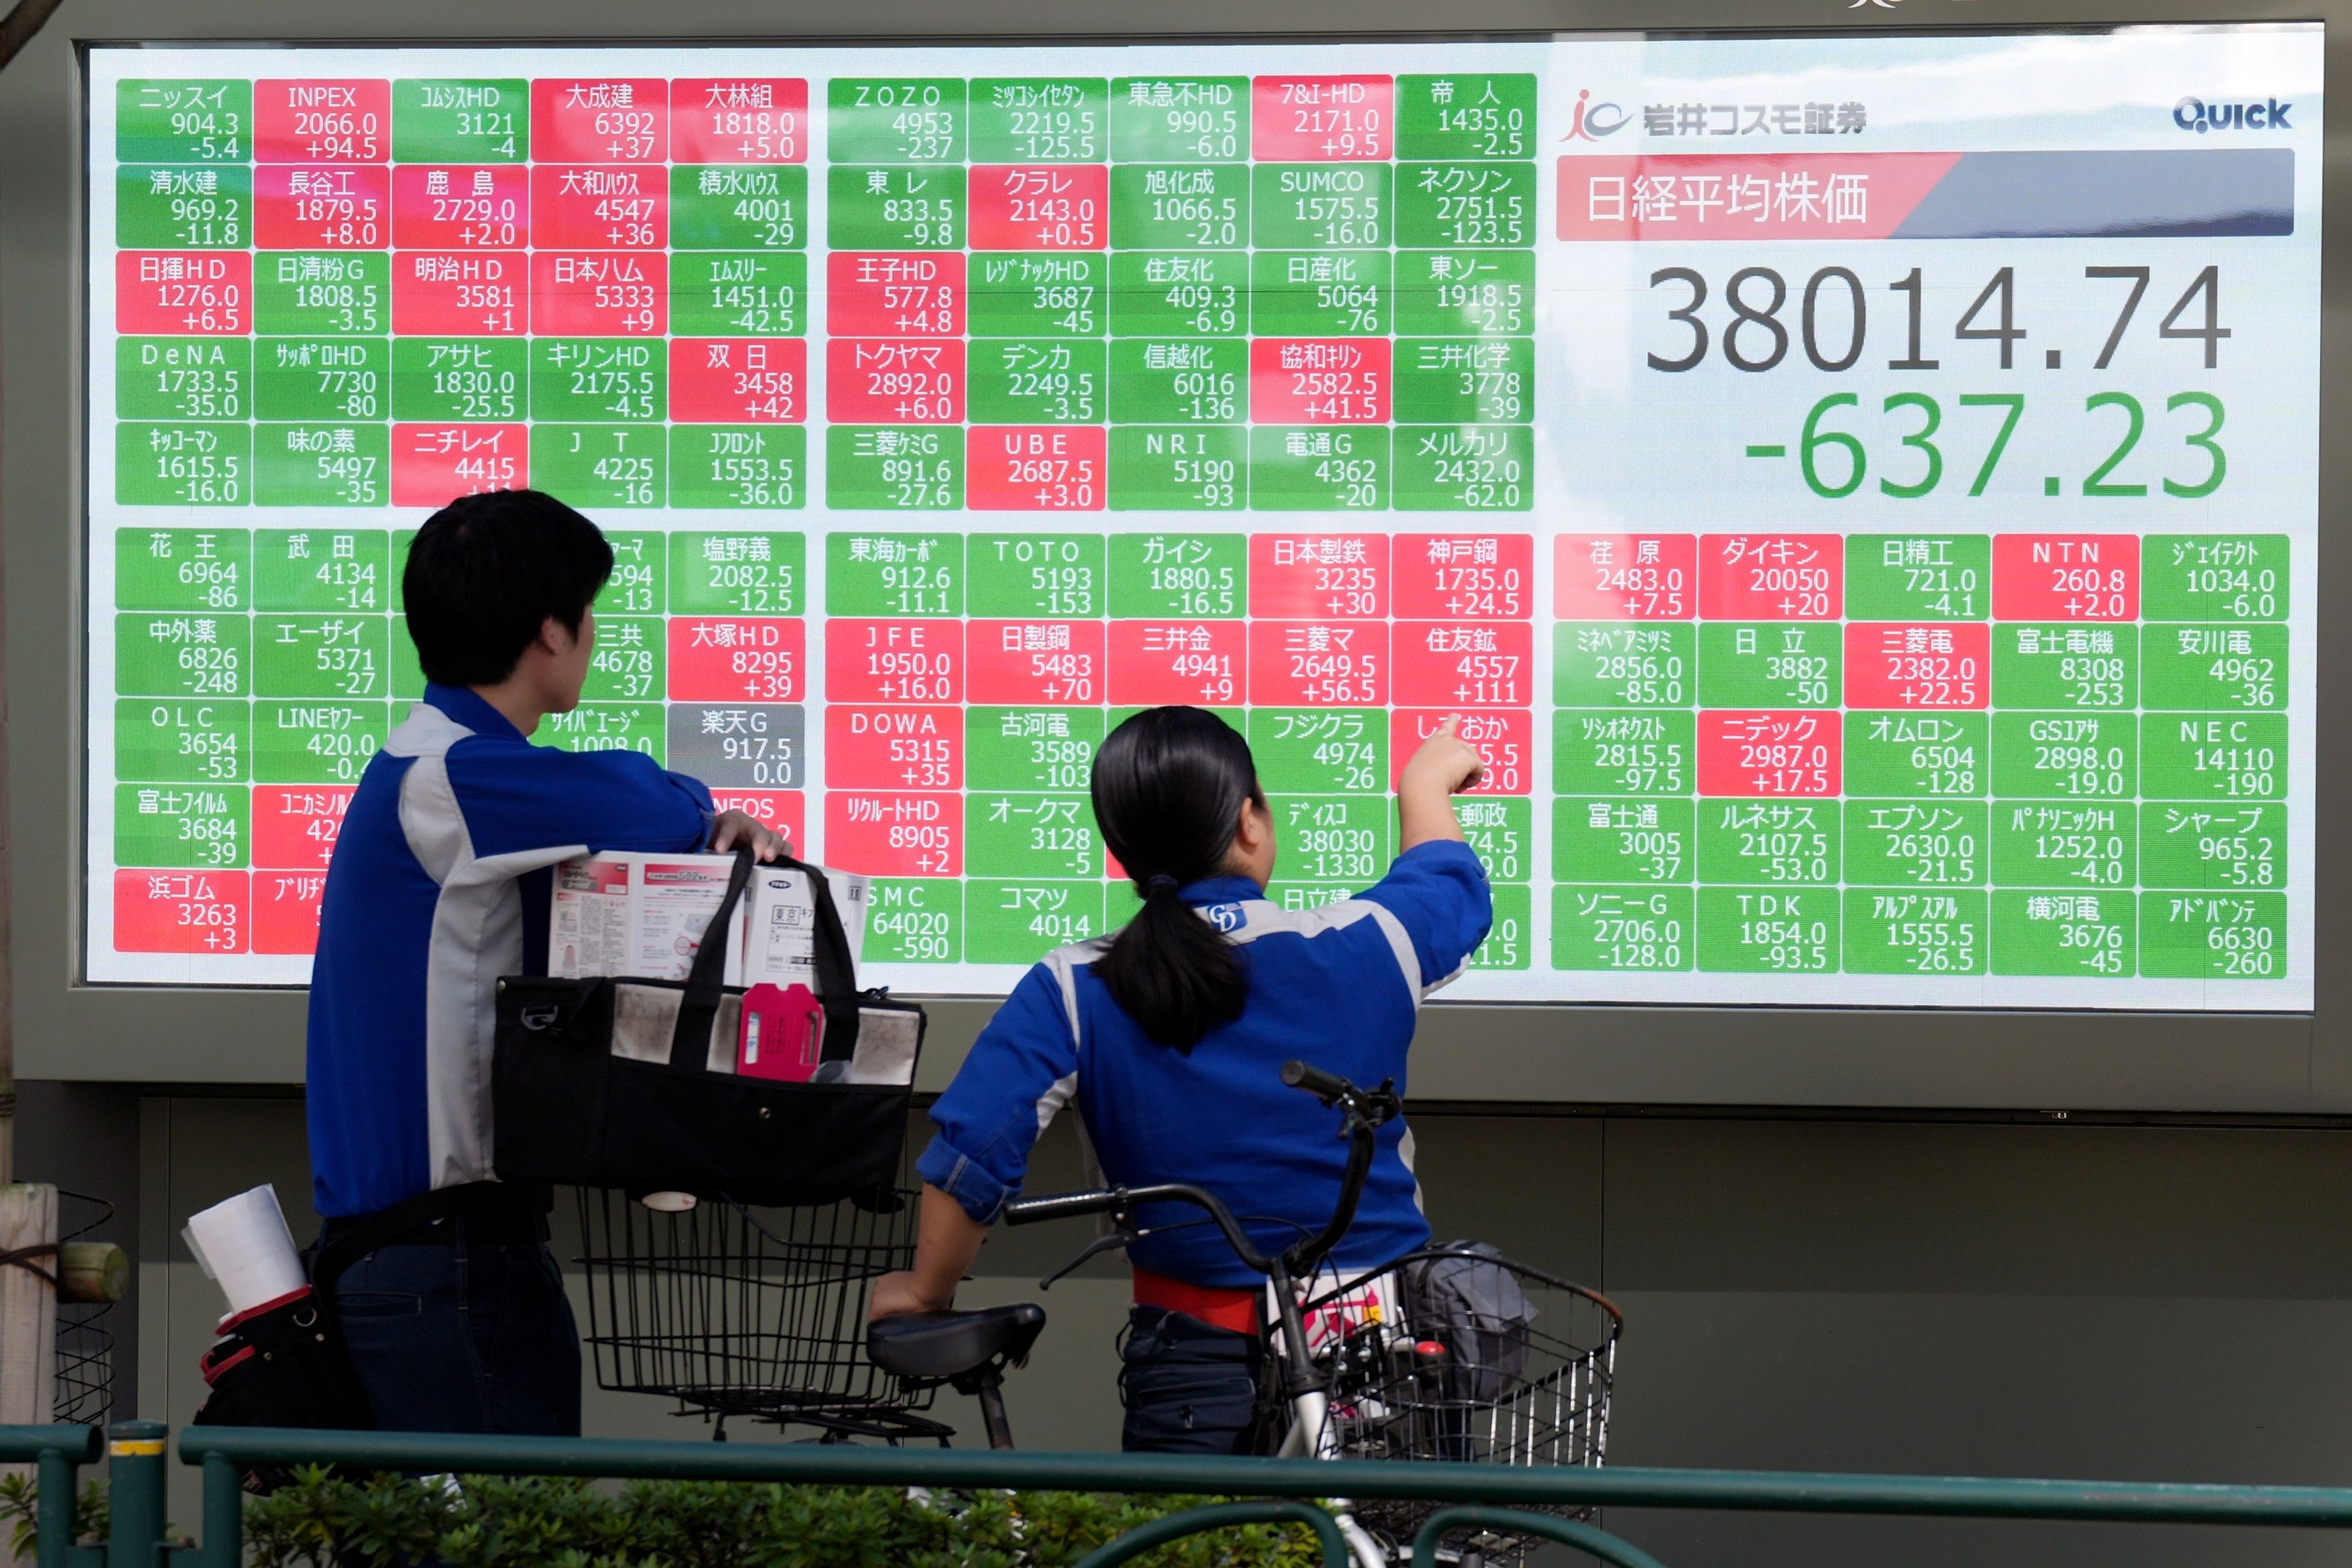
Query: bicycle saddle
{"points": [[948, 1344]]}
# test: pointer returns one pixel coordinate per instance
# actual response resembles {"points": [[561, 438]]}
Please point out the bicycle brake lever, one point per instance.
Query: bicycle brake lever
{"points": [[1119, 1237]]}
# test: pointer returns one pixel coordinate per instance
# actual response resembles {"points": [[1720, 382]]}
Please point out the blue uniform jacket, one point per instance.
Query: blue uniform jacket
{"points": [[1338, 986], [438, 886]]}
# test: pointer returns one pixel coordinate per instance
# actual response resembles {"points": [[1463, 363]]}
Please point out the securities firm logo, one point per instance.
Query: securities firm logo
{"points": [[2196, 114], [1591, 122]]}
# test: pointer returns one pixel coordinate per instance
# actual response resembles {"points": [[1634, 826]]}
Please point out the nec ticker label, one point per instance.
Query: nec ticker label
{"points": [[1859, 493]]}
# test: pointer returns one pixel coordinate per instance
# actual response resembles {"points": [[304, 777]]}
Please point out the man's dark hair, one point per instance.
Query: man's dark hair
{"points": [[486, 571]]}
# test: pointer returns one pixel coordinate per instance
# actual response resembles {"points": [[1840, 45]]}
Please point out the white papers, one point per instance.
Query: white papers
{"points": [[643, 916], [780, 941], [243, 1244]]}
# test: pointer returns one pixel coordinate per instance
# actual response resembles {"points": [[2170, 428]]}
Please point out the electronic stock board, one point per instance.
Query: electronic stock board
{"points": [[1858, 492]]}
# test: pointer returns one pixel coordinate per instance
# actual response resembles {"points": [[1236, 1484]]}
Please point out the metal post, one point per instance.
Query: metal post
{"points": [[134, 1453], [224, 1545], [60, 1480]]}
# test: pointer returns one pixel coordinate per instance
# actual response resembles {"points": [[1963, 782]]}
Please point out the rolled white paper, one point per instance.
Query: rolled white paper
{"points": [[244, 1245]]}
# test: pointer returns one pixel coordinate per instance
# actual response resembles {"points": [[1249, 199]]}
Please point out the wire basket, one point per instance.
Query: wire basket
{"points": [[1525, 1382], [753, 1312], [84, 1389]]}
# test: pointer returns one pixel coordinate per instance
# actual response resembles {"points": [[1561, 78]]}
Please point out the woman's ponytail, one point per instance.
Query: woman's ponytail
{"points": [[1169, 787]]}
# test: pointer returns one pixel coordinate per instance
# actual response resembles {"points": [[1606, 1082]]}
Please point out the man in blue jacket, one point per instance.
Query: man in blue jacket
{"points": [[440, 884]]}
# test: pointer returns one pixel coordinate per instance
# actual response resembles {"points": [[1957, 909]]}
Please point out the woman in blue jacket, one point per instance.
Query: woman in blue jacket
{"points": [[1170, 1035]]}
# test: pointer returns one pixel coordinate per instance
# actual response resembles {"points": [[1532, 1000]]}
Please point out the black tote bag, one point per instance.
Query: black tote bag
{"points": [[615, 1082]]}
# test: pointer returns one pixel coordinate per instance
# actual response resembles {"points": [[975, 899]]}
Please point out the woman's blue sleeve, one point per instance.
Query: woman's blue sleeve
{"points": [[1022, 1070], [1438, 892]]}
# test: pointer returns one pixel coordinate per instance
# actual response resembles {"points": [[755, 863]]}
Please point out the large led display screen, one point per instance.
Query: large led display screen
{"points": [[1860, 493]]}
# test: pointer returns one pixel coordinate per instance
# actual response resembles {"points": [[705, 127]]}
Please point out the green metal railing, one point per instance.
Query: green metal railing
{"points": [[1485, 1495]]}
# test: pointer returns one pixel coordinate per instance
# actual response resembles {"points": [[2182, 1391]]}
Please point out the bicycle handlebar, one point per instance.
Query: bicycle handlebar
{"points": [[1326, 1087], [1068, 1206]]}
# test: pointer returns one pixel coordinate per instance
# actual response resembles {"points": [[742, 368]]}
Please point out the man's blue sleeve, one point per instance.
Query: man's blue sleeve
{"points": [[1022, 1069], [531, 797], [1438, 892]]}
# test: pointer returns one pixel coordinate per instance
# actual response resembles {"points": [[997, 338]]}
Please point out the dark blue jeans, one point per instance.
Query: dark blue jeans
{"points": [[463, 1338], [1190, 1387]]}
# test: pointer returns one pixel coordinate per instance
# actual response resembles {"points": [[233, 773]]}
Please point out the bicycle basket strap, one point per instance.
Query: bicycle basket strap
{"points": [[837, 969], [689, 1044]]}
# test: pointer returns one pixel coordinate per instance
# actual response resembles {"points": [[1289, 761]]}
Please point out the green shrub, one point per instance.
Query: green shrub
{"points": [[325, 1521]]}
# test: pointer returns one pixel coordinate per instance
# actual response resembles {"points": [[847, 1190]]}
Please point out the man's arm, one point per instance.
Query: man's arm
{"points": [[946, 1243], [529, 797]]}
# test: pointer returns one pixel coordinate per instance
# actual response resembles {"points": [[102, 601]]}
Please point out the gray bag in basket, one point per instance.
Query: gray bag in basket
{"points": [[1473, 1303]]}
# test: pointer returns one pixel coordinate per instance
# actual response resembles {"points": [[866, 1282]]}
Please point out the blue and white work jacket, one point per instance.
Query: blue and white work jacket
{"points": [[1338, 986], [438, 886]]}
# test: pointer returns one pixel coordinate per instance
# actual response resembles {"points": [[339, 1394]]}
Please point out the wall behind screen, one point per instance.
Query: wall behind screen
{"points": [[1649, 1054]]}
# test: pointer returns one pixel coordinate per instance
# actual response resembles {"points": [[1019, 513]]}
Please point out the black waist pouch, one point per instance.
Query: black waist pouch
{"points": [[613, 1082]]}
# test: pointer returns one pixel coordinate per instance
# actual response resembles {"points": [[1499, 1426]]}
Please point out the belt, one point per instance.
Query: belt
{"points": [[495, 1214], [1220, 1306]]}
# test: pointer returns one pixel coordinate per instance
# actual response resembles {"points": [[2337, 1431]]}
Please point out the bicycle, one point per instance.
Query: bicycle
{"points": [[1362, 1378]]}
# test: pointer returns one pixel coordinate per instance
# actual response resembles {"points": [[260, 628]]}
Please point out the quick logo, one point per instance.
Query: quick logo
{"points": [[2196, 114]]}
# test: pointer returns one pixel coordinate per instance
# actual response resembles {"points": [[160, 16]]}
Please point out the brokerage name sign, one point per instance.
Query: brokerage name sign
{"points": [[1860, 493]]}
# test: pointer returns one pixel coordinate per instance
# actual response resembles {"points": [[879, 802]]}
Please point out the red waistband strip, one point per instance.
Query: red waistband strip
{"points": [[1222, 1306]]}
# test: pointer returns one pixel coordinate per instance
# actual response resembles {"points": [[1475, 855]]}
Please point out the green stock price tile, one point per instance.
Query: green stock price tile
{"points": [[460, 378], [895, 209], [1467, 115], [739, 294], [1196, 206], [1201, 294], [1916, 932], [1189, 576], [895, 121], [889, 469], [1611, 664], [2084, 668], [1465, 468], [2214, 577], [182, 206], [1041, 381], [1319, 751], [317, 742], [2066, 756], [181, 824], [1465, 381], [639, 575], [1937, 757], [321, 378], [1464, 293], [1319, 293], [1039, 119], [741, 468], [320, 655], [407, 670], [738, 572], [1024, 575], [1031, 748], [1485, 206], [1778, 664], [184, 378], [1012, 295], [1499, 831], [2213, 847], [461, 121], [182, 569], [174, 655], [1772, 842], [626, 663], [2062, 931], [183, 739], [183, 465], [322, 465], [322, 569], [2192, 756], [2213, 936], [1601, 753], [2211, 669], [915, 919], [1624, 841], [1009, 835], [1313, 207], [1021, 922], [726, 207], [2063, 843], [601, 465], [598, 379], [1631, 928], [894, 573], [1180, 381], [1318, 468], [1918, 843], [1187, 119], [192, 121], [1164, 468], [322, 293], [1917, 576], [1332, 837], [1744, 931], [1509, 943], [609, 727]]}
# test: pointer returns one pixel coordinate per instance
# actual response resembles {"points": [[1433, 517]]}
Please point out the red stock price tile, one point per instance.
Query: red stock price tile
{"points": [[721, 380], [1769, 752], [1322, 119], [1061, 206], [1504, 740], [1478, 664], [739, 120], [737, 658], [2066, 576], [1772, 576], [1199, 663], [1933, 664], [903, 746], [201, 293], [1484, 576], [891, 294], [322, 207], [1319, 664], [600, 119], [902, 383], [1297, 576], [460, 294], [872, 660], [460, 207], [1626, 576], [182, 912], [1041, 663], [433, 465], [1042, 467], [319, 120], [894, 833]]}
